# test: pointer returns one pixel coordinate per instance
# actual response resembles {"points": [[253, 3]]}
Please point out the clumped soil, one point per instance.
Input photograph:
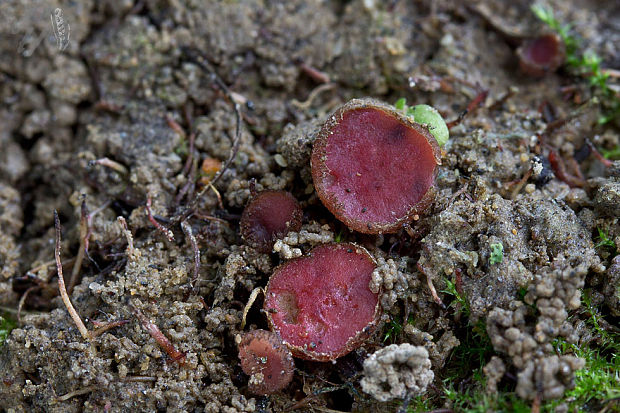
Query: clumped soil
{"points": [[132, 73]]}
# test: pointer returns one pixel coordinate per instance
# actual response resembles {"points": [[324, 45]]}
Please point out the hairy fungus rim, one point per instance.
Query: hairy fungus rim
{"points": [[354, 341], [320, 170], [279, 347], [244, 225]]}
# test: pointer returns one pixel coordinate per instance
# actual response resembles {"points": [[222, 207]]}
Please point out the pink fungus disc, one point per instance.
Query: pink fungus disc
{"points": [[541, 55], [320, 304], [374, 168], [268, 216], [267, 361]]}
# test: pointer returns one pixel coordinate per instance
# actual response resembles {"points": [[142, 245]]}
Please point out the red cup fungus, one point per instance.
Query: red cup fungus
{"points": [[321, 304], [541, 55], [267, 361], [373, 167], [268, 216]]}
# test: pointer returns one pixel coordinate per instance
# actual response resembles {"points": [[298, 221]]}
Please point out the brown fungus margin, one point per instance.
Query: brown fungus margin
{"points": [[386, 172], [321, 304]]}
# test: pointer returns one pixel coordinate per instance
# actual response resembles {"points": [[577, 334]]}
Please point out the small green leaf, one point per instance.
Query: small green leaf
{"points": [[401, 104], [428, 115]]}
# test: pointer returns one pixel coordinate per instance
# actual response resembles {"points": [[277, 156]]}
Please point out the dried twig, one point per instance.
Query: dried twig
{"points": [[431, 287], [473, 105], [107, 162], [559, 169], [247, 307], [606, 162], [314, 73], [85, 232], [198, 59], [157, 225], [519, 185], [78, 392], [61, 285], [103, 327], [128, 236], [22, 300], [161, 339], [313, 94], [187, 229]]}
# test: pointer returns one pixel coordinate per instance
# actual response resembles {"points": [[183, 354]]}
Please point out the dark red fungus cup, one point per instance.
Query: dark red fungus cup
{"points": [[374, 168], [267, 361], [268, 216], [541, 55], [320, 304]]}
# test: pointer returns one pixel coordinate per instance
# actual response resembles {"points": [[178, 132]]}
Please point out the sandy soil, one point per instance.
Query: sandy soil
{"points": [[144, 91]]}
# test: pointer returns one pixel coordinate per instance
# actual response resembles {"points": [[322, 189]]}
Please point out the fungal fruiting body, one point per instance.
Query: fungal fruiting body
{"points": [[268, 216], [541, 55], [266, 360], [321, 304], [373, 167]]}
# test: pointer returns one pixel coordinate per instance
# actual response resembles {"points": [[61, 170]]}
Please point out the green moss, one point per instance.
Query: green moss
{"points": [[613, 154], [604, 241], [587, 65], [460, 303], [497, 253], [6, 325], [394, 328]]}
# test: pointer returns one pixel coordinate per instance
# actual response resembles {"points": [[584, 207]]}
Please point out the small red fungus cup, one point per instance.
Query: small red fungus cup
{"points": [[321, 304], [268, 216], [541, 55], [267, 361], [373, 167]]}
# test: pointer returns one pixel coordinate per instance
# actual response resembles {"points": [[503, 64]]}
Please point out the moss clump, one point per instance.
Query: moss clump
{"points": [[6, 325]]}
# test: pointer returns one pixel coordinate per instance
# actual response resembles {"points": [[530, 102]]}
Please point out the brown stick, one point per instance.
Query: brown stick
{"points": [[157, 225], [107, 162], [431, 286], [195, 56], [22, 300], [61, 285], [75, 272], [160, 338], [187, 229], [103, 327], [477, 101]]}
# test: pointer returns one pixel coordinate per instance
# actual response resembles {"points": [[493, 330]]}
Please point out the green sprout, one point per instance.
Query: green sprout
{"points": [[604, 240], [586, 64], [426, 115], [6, 325], [339, 236], [613, 153], [497, 253], [394, 328], [458, 298]]}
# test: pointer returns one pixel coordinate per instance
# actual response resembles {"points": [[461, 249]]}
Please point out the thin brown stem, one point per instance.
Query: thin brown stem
{"points": [[160, 338], [61, 285], [157, 225], [187, 229]]}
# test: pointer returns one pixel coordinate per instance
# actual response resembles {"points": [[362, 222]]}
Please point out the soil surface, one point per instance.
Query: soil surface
{"points": [[118, 120]]}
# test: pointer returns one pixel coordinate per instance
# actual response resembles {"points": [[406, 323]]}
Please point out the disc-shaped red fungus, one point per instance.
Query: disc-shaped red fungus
{"points": [[542, 54], [270, 215], [320, 304], [267, 361], [373, 167]]}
